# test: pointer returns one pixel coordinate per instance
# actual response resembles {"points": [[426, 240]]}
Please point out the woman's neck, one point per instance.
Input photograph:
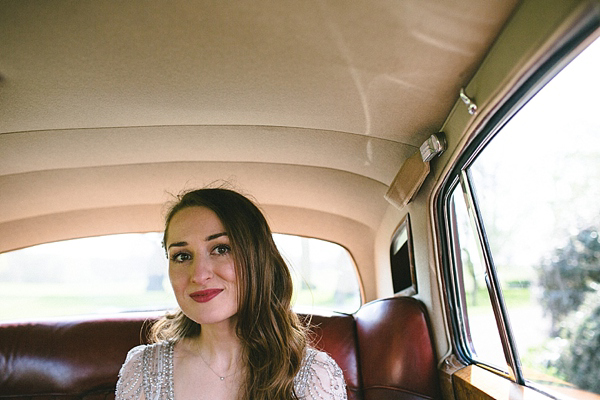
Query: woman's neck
{"points": [[212, 361], [218, 346]]}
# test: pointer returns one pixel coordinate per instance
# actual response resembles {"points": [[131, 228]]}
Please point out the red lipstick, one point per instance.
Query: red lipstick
{"points": [[202, 296]]}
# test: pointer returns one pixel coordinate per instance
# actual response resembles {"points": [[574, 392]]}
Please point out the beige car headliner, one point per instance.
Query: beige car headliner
{"points": [[309, 106]]}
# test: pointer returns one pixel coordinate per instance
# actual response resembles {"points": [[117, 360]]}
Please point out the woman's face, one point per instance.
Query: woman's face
{"points": [[201, 266]]}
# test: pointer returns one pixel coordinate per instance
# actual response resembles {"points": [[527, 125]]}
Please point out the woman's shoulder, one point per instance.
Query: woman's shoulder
{"points": [[314, 357], [319, 377], [142, 362], [129, 385], [148, 351]]}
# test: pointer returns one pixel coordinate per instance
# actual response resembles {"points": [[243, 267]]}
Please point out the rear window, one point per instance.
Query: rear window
{"points": [[128, 272]]}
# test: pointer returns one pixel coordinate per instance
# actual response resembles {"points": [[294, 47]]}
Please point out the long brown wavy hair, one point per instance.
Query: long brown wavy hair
{"points": [[272, 336]]}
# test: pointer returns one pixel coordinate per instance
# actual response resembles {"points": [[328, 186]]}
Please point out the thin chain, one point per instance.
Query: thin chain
{"points": [[222, 378]]}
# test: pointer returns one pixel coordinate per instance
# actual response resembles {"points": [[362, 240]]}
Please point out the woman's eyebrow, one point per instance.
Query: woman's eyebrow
{"points": [[207, 239], [177, 244], [216, 235]]}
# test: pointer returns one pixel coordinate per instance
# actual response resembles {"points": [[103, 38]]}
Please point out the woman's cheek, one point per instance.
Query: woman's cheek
{"points": [[231, 275], [177, 277]]}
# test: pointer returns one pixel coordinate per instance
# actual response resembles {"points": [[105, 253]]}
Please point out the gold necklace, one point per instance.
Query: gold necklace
{"points": [[222, 378]]}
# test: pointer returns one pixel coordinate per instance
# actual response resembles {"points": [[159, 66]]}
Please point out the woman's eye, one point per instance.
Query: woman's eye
{"points": [[221, 249], [181, 257]]}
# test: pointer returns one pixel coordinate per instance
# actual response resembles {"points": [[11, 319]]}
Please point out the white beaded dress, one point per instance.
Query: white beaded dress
{"points": [[148, 369]]}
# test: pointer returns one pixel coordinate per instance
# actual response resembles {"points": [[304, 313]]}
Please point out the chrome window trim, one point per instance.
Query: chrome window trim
{"points": [[491, 279]]}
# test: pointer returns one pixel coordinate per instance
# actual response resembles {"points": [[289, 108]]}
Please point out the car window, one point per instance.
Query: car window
{"points": [[324, 274], [128, 272], [526, 222], [477, 319]]}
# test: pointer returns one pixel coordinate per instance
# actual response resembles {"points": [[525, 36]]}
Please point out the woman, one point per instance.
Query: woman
{"points": [[235, 335]]}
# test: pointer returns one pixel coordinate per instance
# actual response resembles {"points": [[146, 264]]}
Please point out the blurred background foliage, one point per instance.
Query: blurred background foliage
{"points": [[570, 283]]}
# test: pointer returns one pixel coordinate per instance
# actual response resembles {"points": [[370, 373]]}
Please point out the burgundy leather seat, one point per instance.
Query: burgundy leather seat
{"points": [[385, 350], [396, 351]]}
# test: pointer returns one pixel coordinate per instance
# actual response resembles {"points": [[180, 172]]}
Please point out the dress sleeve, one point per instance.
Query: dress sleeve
{"points": [[129, 385], [320, 378]]}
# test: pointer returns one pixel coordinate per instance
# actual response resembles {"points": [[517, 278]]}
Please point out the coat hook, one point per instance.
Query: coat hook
{"points": [[471, 106]]}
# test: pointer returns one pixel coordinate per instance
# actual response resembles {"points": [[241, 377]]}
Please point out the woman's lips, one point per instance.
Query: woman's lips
{"points": [[202, 296]]}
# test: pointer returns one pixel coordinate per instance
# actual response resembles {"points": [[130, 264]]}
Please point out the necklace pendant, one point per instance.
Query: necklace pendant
{"points": [[222, 378]]}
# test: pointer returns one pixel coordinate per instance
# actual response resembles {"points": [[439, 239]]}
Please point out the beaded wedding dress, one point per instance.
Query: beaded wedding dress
{"points": [[149, 370]]}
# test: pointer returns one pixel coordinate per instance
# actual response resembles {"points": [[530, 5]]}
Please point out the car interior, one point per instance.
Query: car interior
{"points": [[416, 137]]}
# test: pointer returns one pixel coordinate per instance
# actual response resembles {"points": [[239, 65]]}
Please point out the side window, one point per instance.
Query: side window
{"points": [[524, 226]]}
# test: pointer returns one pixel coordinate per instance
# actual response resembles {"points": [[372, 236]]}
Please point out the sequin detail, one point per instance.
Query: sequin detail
{"points": [[319, 378], [149, 370]]}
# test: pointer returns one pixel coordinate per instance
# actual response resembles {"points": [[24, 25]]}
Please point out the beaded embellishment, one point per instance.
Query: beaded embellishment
{"points": [[150, 369]]}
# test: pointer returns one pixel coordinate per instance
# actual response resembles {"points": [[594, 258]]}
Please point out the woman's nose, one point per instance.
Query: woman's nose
{"points": [[201, 270]]}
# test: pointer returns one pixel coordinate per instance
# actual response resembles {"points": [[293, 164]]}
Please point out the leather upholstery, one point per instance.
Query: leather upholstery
{"points": [[385, 350], [66, 358], [337, 336], [396, 351]]}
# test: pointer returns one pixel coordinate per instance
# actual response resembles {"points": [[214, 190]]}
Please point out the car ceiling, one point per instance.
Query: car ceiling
{"points": [[106, 107]]}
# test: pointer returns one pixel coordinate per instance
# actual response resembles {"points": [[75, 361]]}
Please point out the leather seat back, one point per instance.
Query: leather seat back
{"points": [[396, 350], [385, 351]]}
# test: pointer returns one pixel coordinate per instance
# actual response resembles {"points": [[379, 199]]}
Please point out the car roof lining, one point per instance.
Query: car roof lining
{"points": [[313, 106], [377, 68]]}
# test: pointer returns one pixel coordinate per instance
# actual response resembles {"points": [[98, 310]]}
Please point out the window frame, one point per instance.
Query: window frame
{"points": [[566, 50]]}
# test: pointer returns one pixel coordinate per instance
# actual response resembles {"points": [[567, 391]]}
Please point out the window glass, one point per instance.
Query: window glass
{"points": [[477, 319], [92, 275], [128, 272], [323, 272], [538, 189]]}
